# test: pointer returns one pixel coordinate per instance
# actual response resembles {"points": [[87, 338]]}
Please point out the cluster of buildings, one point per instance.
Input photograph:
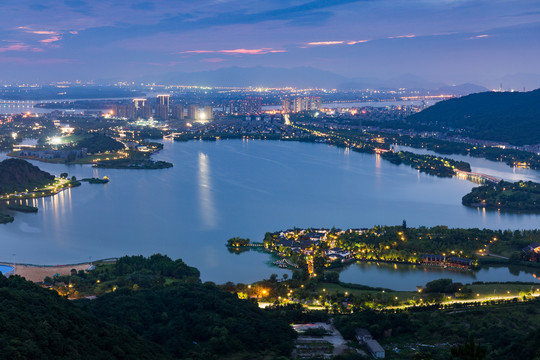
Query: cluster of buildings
{"points": [[305, 242], [532, 252], [450, 261], [252, 105], [54, 154], [161, 109], [300, 104]]}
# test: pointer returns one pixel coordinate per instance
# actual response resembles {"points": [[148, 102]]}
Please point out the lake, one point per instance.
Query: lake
{"points": [[217, 190]]}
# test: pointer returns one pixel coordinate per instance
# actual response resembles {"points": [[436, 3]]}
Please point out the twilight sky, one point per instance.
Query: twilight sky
{"points": [[452, 41]]}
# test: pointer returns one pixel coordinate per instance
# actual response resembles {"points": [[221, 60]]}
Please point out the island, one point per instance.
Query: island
{"points": [[23, 208], [105, 180], [518, 196], [6, 219], [321, 252], [20, 180], [133, 164]]}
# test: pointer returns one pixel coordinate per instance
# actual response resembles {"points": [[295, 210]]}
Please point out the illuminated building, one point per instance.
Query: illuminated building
{"points": [[286, 105], [140, 106], [162, 107], [249, 106], [307, 103], [205, 113]]}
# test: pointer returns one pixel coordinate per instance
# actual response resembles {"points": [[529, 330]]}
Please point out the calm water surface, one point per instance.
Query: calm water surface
{"points": [[217, 190], [408, 277]]}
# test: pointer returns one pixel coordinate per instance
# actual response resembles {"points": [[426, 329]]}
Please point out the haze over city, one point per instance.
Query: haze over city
{"points": [[389, 42]]}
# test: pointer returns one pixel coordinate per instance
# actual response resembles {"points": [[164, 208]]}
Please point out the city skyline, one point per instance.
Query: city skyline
{"points": [[440, 41]]}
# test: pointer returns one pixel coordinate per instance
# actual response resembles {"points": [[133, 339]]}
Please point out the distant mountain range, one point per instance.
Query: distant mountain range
{"points": [[304, 77], [512, 117]]}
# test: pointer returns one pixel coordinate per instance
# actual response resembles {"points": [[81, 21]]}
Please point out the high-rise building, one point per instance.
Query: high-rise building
{"points": [[315, 103], [253, 105], [205, 113], [306, 103], [247, 106], [300, 104], [178, 112], [125, 111], [139, 107], [162, 107], [146, 111], [286, 106], [193, 111]]}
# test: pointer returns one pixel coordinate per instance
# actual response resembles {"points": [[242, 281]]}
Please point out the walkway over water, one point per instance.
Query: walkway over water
{"points": [[477, 177]]}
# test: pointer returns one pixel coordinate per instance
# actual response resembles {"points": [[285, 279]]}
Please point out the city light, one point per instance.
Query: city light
{"points": [[55, 140]]}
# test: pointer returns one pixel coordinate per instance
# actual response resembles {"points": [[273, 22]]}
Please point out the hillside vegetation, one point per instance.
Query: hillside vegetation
{"points": [[36, 323], [512, 117], [19, 175]]}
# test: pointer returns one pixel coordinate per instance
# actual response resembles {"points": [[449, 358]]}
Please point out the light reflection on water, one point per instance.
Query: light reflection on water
{"points": [[206, 201]]}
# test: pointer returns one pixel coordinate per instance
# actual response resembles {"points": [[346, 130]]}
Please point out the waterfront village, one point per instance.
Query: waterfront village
{"points": [[332, 246], [316, 250]]}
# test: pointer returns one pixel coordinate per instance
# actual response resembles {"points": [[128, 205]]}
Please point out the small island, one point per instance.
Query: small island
{"points": [[6, 219], [23, 208], [518, 196], [105, 180], [136, 164]]}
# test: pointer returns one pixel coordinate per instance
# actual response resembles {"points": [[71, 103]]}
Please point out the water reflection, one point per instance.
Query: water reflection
{"points": [[206, 200], [408, 276]]}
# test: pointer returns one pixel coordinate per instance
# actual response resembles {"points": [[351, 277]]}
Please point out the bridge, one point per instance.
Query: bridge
{"points": [[477, 177]]}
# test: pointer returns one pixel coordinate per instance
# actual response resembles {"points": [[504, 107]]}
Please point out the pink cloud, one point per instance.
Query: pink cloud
{"points": [[251, 51], [50, 40], [42, 32], [356, 42], [401, 36], [198, 52], [260, 51], [15, 47], [319, 43]]}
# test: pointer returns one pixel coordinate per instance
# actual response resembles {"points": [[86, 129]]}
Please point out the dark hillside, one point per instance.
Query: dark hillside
{"points": [[37, 323], [19, 175], [512, 117]]}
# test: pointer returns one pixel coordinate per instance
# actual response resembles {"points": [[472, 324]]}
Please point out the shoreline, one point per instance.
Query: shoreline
{"points": [[36, 273]]}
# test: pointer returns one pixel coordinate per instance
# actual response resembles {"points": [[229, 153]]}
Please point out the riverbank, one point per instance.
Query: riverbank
{"points": [[36, 273], [51, 189]]}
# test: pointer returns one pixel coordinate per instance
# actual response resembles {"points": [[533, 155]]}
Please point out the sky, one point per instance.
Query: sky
{"points": [[450, 41]]}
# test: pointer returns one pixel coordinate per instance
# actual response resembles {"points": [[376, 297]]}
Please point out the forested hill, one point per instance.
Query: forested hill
{"points": [[512, 117], [37, 323], [154, 308], [18, 175]]}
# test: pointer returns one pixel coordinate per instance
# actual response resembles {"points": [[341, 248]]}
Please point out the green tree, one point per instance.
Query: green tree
{"points": [[468, 351]]}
